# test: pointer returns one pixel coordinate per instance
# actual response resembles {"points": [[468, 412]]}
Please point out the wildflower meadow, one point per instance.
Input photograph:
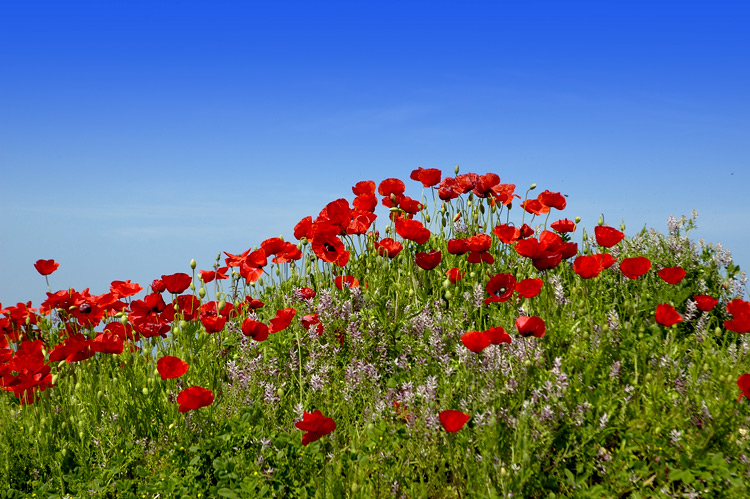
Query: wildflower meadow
{"points": [[471, 341]]}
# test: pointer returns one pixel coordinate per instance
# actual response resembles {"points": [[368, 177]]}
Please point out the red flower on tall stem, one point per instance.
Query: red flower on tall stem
{"points": [[171, 367], [255, 329], [389, 247], [282, 320], [529, 288], [315, 426], [46, 267], [176, 283], [429, 260], [672, 275], [194, 397], [705, 303], [412, 230], [500, 288], [740, 311], [563, 226], [531, 326], [476, 341], [633, 268], [428, 176], [606, 236], [666, 315], [453, 421]]}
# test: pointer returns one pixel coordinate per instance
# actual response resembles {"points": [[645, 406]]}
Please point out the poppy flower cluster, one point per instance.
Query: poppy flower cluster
{"points": [[740, 312]]}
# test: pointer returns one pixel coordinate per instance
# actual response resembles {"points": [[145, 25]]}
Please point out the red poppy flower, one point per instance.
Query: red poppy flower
{"points": [[672, 275], [531, 326], [176, 283], [535, 207], [255, 330], [389, 247], [360, 222], [107, 343], [498, 335], [189, 306], [633, 268], [587, 266], [327, 246], [529, 288], [476, 341], [315, 426], [455, 275], [453, 421], [349, 280], [194, 397], [157, 286], [666, 315], [507, 233], [503, 193], [563, 226], [74, 348], [500, 288], [282, 320], [705, 303], [302, 229], [123, 289], [478, 245], [740, 311], [412, 230], [306, 293], [124, 331], [151, 316], [607, 236], [448, 189], [46, 267], [364, 187], [552, 200], [213, 323], [283, 251], [170, 367], [743, 382], [428, 261], [428, 176], [457, 246], [365, 202], [484, 184], [336, 214]]}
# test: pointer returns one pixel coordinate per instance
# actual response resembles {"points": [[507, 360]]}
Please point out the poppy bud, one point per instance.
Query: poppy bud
{"points": [[144, 391], [578, 220], [456, 169], [393, 197], [124, 319], [192, 285], [427, 218], [622, 225], [532, 187], [221, 305], [304, 241], [183, 324], [193, 264], [448, 295], [442, 208], [468, 202], [601, 221], [175, 330], [481, 209], [202, 292], [278, 271], [218, 257]]}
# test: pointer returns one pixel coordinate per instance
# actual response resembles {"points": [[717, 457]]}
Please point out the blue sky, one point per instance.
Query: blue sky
{"points": [[137, 135]]}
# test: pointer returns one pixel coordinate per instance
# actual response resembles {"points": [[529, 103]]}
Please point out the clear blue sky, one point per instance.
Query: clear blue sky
{"points": [[137, 135]]}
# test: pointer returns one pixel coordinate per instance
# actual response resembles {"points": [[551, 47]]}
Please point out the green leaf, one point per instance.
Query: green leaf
{"points": [[225, 492]]}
